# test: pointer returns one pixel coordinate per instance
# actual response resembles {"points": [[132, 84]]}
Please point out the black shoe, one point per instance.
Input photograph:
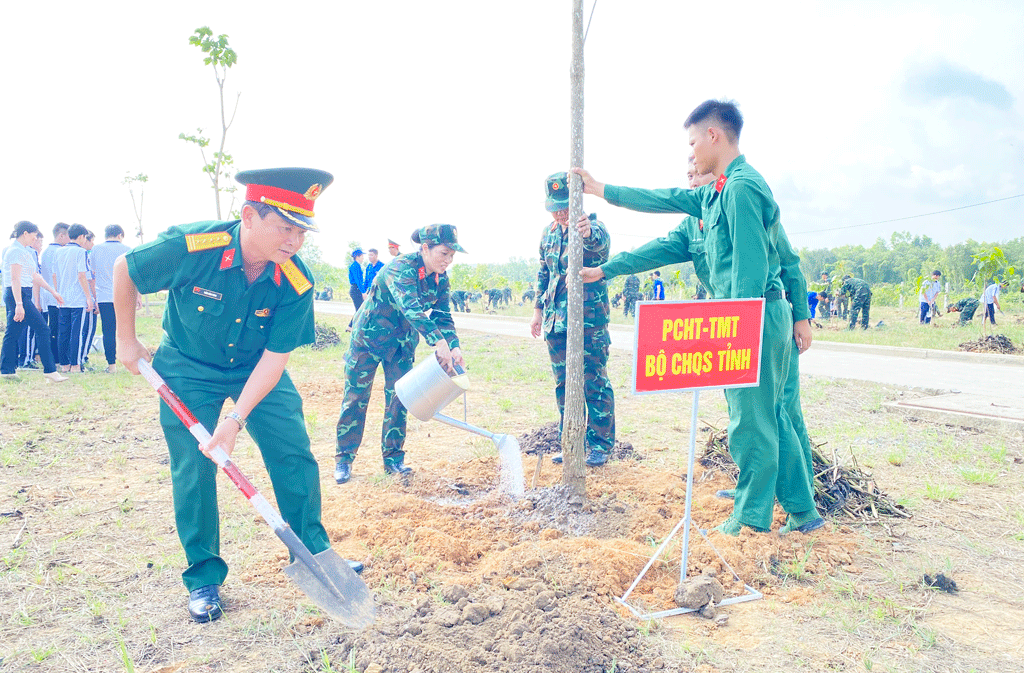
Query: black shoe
{"points": [[29, 365], [342, 472], [204, 604], [397, 467], [556, 458], [597, 458], [356, 566]]}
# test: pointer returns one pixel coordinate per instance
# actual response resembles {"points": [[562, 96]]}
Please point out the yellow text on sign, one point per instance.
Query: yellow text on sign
{"points": [[685, 329]]}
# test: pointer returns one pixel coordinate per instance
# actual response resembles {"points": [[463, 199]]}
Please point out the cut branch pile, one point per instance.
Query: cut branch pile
{"points": [[838, 490], [993, 343], [326, 336]]}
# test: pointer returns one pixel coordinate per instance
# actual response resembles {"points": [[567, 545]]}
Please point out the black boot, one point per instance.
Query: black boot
{"points": [[204, 604], [597, 458], [342, 471], [397, 466]]}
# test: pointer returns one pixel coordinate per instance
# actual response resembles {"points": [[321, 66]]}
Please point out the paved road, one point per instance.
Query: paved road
{"points": [[977, 378]]}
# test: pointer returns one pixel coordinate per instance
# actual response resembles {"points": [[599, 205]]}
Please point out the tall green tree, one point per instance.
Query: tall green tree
{"points": [[220, 57]]}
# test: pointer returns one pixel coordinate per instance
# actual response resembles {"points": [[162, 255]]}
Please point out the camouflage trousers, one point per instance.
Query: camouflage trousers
{"points": [[860, 303], [629, 306], [360, 369], [596, 386]]}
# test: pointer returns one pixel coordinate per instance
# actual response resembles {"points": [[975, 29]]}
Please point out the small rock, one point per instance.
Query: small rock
{"points": [[722, 619], [413, 629], [518, 628], [453, 593], [475, 613], [545, 600], [526, 505], [708, 611], [412, 578], [495, 604], [696, 592], [374, 668], [575, 501], [447, 617], [523, 583]]}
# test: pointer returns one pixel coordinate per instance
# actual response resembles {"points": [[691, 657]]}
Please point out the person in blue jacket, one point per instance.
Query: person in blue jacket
{"points": [[355, 282]]}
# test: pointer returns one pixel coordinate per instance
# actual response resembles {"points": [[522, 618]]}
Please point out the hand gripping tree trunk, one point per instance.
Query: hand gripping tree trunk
{"points": [[574, 421]]}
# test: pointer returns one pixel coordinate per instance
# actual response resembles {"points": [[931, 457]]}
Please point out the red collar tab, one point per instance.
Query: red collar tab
{"points": [[423, 273], [700, 223], [277, 275], [227, 259], [720, 183], [282, 198]]}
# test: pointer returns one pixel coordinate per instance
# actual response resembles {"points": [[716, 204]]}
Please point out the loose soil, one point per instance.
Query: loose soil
{"points": [[992, 343]]}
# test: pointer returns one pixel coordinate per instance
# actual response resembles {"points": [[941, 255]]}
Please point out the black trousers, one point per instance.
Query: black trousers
{"points": [[34, 319], [69, 336], [109, 324]]}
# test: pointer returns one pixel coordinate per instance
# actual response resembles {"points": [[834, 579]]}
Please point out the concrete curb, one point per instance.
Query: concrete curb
{"points": [[921, 353]]}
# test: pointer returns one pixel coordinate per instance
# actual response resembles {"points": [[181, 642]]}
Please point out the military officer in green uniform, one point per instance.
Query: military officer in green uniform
{"points": [[859, 293], [741, 225], [966, 308], [410, 297], [685, 243], [551, 316], [239, 301]]}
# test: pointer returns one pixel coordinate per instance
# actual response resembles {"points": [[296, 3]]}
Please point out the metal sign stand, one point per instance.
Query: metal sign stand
{"points": [[751, 595]]}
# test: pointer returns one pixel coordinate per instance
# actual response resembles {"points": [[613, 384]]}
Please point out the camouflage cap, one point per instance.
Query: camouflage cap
{"points": [[438, 234], [556, 186]]}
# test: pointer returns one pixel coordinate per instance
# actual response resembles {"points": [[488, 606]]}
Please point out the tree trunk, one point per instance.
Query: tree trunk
{"points": [[574, 424]]}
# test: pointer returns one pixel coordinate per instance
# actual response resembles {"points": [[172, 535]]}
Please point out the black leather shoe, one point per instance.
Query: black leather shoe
{"points": [[597, 458], [204, 604], [342, 472], [397, 468], [356, 566], [556, 458]]}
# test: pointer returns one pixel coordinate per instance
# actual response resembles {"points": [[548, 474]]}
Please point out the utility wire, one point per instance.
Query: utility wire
{"points": [[909, 217], [587, 31]]}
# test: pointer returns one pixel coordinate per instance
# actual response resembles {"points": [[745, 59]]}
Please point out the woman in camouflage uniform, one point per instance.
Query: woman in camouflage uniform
{"points": [[409, 297]]}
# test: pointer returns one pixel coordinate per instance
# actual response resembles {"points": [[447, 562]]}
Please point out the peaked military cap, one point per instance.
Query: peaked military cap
{"points": [[437, 234], [289, 191], [557, 188]]}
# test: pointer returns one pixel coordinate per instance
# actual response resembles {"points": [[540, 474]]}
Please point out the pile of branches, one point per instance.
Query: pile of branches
{"points": [[326, 336], [838, 490], [993, 343]]}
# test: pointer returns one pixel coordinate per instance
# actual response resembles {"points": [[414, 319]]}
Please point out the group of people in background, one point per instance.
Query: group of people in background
{"points": [[852, 300], [55, 296], [361, 276]]}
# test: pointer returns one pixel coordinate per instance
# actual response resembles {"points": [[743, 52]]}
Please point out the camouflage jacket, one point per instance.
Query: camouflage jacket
{"points": [[855, 287], [552, 292], [631, 288], [405, 301]]}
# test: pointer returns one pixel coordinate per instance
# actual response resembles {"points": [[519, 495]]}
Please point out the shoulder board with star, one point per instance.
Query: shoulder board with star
{"points": [[200, 242], [295, 277]]}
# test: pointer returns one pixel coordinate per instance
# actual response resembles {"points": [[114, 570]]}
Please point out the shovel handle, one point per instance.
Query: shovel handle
{"points": [[217, 454]]}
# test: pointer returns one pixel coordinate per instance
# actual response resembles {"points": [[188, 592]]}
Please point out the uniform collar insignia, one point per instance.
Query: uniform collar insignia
{"points": [[227, 259], [720, 183], [277, 275], [700, 223], [423, 273]]}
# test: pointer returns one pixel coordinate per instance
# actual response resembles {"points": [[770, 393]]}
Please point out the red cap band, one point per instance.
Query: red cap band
{"points": [[282, 198]]}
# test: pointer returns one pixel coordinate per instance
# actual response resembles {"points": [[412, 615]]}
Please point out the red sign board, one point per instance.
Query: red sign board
{"points": [[688, 345]]}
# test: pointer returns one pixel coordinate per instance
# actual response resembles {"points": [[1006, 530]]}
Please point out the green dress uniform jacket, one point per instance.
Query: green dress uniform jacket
{"points": [[741, 240], [216, 328], [553, 299], [404, 302]]}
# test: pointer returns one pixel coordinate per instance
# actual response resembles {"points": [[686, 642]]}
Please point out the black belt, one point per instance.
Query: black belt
{"points": [[773, 295]]}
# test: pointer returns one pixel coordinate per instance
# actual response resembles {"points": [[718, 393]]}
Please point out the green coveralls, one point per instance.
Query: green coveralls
{"points": [[404, 302], [553, 300], [216, 327], [741, 233]]}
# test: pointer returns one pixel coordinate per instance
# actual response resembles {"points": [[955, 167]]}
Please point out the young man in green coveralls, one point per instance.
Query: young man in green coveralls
{"points": [[238, 302], [685, 243], [741, 228]]}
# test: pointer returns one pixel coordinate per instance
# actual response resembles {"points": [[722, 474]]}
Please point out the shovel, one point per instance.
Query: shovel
{"points": [[325, 578], [508, 452]]}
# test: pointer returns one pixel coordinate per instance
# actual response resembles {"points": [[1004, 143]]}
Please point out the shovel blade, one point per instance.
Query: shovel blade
{"points": [[335, 588]]}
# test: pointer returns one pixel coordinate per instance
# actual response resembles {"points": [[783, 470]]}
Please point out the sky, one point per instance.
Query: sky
{"points": [[856, 112]]}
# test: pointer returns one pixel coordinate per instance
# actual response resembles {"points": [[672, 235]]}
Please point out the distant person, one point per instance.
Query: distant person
{"points": [[659, 287], [71, 280], [28, 345], [393, 249], [103, 257], [630, 295], [90, 317], [859, 294], [842, 305], [19, 276], [355, 283], [930, 290], [991, 300], [812, 303], [551, 317], [50, 307], [825, 283], [372, 267], [966, 308], [824, 305], [701, 292]]}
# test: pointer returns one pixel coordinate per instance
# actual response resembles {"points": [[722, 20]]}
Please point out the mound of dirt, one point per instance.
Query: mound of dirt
{"points": [[993, 343], [530, 628], [546, 439]]}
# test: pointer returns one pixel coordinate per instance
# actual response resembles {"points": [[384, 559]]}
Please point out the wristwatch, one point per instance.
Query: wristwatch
{"points": [[233, 415]]}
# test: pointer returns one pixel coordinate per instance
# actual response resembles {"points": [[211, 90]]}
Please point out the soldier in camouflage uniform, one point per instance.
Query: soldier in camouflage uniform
{"points": [[551, 312], [630, 294], [966, 308], [859, 293], [410, 298]]}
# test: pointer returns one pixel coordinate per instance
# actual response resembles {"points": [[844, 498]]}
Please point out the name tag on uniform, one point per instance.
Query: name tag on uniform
{"points": [[263, 313], [209, 294]]}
